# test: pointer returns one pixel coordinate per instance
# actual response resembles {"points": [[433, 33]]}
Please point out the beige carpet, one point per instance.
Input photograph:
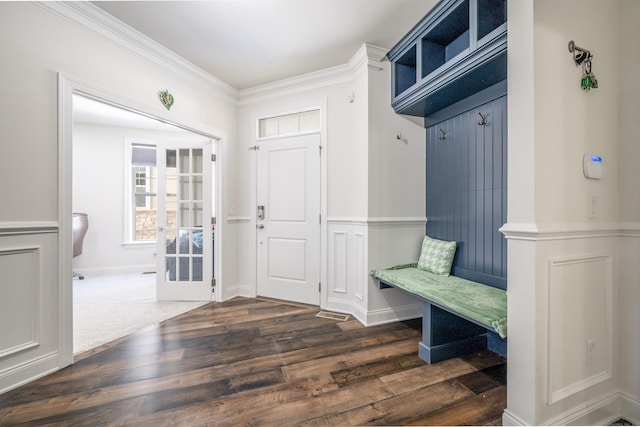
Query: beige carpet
{"points": [[110, 307]]}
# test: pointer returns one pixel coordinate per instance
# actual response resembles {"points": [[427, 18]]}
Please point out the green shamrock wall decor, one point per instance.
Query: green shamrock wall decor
{"points": [[166, 98]]}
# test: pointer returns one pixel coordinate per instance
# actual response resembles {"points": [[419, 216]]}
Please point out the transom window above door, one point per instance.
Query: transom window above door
{"points": [[289, 124]]}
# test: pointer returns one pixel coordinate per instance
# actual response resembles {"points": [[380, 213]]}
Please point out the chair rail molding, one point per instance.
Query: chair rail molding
{"points": [[564, 231], [29, 227]]}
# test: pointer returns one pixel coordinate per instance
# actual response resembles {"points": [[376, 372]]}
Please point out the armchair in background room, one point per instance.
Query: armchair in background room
{"points": [[80, 226]]}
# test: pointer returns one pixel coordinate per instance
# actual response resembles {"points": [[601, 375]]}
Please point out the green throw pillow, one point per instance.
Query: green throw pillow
{"points": [[436, 256]]}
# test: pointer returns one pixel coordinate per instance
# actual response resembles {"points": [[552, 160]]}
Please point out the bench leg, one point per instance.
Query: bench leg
{"points": [[496, 344], [445, 335]]}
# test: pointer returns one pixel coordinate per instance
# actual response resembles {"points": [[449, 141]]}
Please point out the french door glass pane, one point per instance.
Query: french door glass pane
{"points": [[183, 189], [197, 268], [183, 268], [183, 160], [197, 160], [197, 214], [185, 194], [197, 188]]}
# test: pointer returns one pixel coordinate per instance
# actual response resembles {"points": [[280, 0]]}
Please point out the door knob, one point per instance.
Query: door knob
{"points": [[260, 226], [161, 229]]}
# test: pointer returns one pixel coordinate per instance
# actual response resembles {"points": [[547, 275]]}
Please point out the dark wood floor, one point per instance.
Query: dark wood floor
{"points": [[263, 362]]}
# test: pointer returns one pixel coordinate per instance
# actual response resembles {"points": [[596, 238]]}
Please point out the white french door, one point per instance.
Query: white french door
{"points": [[288, 218], [184, 235]]}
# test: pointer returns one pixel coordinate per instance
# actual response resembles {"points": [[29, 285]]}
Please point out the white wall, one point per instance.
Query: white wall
{"points": [[38, 45], [375, 182], [628, 295], [396, 196], [571, 122], [570, 276], [99, 176]]}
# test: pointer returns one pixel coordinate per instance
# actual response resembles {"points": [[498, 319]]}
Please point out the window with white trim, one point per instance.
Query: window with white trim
{"points": [[141, 192]]}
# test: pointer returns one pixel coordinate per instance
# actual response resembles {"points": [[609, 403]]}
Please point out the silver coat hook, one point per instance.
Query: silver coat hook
{"points": [[579, 54]]}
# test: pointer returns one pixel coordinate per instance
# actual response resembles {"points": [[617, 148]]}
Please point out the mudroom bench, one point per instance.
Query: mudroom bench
{"points": [[459, 316]]}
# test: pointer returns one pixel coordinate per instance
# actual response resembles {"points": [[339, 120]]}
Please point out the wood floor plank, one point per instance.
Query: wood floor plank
{"points": [[413, 379], [346, 360], [338, 400], [376, 369], [263, 362], [249, 404], [423, 401], [478, 410], [395, 410]]}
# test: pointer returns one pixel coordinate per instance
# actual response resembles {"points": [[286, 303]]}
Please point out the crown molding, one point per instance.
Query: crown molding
{"points": [[94, 20], [368, 54]]}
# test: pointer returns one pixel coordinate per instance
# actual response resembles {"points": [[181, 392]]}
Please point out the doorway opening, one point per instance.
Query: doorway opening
{"points": [[127, 207]]}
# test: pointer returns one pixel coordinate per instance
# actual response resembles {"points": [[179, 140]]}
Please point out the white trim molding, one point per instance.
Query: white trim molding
{"points": [[557, 281], [600, 411], [565, 231], [629, 229], [28, 227], [368, 54], [372, 221], [239, 219], [96, 21], [23, 262]]}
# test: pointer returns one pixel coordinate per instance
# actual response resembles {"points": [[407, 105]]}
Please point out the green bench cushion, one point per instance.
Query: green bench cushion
{"points": [[482, 303]]}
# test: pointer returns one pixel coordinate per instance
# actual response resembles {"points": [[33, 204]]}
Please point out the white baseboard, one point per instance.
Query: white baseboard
{"points": [[347, 307], [598, 412], [510, 419], [394, 314], [630, 409], [377, 317], [103, 271], [28, 371], [601, 411], [234, 291]]}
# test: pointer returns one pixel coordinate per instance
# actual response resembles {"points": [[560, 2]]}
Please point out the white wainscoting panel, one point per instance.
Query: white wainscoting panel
{"points": [[19, 294], [235, 259], [29, 303], [355, 246], [580, 324], [347, 248], [338, 262], [359, 266]]}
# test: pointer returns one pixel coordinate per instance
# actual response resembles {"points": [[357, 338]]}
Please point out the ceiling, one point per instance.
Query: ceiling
{"points": [[90, 111], [247, 43]]}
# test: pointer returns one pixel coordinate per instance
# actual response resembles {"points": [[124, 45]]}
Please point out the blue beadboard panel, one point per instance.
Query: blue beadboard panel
{"points": [[467, 190]]}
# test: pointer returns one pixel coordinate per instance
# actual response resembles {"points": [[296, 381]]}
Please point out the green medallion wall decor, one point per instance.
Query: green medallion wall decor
{"points": [[166, 98]]}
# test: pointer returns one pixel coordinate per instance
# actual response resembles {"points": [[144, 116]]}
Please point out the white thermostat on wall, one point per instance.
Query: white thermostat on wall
{"points": [[593, 166]]}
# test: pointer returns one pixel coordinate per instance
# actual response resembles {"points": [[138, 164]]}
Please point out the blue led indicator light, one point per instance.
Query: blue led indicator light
{"points": [[596, 159]]}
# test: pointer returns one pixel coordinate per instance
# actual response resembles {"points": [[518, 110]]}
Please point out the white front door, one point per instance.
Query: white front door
{"points": [[288, 218], [184, 236]]}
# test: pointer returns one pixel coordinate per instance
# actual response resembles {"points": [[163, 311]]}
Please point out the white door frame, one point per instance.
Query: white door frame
{"points": [[67, 87], [284, 109]]}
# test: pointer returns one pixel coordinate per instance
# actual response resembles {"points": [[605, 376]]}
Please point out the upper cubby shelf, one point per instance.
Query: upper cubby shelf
{"points": [[458, 49]]}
